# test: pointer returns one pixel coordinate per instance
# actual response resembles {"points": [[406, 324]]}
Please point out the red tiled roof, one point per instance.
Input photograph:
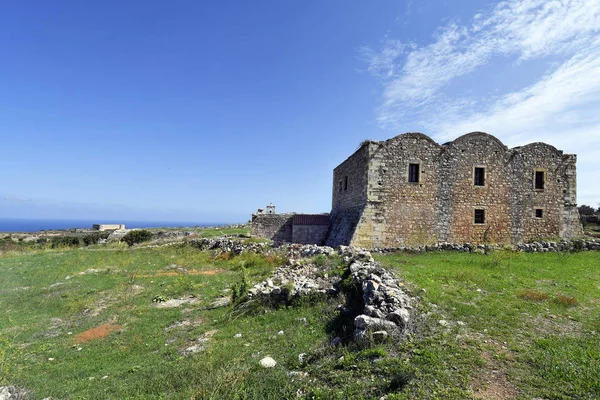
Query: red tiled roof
{"points": [[310, 219]]}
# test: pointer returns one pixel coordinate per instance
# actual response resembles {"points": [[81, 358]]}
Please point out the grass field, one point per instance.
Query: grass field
{"points": [[97, 323]]}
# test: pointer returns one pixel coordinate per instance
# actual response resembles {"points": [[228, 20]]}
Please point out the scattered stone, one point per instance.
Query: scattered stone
{"points": [[301, 357], [267, 362], [221, 302], [12, 393], [178, 324], [380, 336], [237, 335], [297, 374], [336, 341], [172, 303]]}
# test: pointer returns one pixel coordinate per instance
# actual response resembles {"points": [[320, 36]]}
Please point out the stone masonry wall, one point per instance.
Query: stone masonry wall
{"points": [[382, 209], [460, 197], [349, 194], [309, 234], [401, 212], [277, 227]]}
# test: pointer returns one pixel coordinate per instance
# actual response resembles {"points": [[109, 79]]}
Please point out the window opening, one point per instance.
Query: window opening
{"points": [[413, 173], [479, 176], [346, 182], [539, 213], [539, 180], [480, 216]]}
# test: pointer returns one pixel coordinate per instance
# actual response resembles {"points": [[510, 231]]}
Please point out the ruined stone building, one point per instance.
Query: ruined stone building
{"points": [[291, 227], [410, 190]]}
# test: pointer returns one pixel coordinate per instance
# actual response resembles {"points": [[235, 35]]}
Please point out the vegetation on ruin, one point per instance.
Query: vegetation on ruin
{"points": [[95, 322]]}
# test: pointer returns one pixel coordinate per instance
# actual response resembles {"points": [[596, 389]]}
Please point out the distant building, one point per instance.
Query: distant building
{"points": [[108, 227]]}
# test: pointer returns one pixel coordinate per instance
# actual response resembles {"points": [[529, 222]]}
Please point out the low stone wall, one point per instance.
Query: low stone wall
{"points": [[311, 250], [549, 246]]}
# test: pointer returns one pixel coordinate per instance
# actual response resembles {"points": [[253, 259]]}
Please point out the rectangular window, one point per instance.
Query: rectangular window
{"points": [[539, 213], [346, 182], [480, 216], [413, 173], [479, 177], [539, 180], [340, 186]]}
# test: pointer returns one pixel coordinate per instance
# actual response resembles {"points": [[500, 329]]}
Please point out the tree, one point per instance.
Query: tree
{"points": [[137, 236], [586, 210]]}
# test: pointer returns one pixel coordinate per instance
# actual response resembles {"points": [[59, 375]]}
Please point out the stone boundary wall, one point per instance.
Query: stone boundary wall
{"points": [[276, 227], [311, 250], [533, 247], [309, 234]]}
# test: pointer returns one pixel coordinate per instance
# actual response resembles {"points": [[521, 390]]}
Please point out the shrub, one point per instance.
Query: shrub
{"points": [[137, 236], [65, 241], [239, 290], [94, 237]]}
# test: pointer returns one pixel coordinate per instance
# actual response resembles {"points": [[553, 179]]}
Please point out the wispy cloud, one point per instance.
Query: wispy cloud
{"points": [[431, 86]]}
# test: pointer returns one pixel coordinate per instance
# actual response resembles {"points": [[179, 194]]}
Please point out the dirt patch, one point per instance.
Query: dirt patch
{"points": [[493, 382], [98, 332], [551, 324], [498, 389], [209, 272]]}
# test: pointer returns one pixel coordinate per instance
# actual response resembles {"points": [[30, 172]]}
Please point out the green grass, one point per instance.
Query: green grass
{"points": [[217, 232], [533, 317], [527, 321]]}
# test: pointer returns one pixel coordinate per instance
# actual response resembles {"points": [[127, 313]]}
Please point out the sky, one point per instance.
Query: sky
{"points": [[205, 111]]}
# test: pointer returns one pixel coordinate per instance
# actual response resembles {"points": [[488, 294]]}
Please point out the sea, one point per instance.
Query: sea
{"points": [[36, 225]]}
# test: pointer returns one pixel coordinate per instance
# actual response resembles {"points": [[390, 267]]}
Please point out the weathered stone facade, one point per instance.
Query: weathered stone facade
{"points": [[410, 190], [277, 227]]}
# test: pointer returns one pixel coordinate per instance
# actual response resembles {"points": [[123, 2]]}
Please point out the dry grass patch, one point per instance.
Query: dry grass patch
{"points": [[532, 295], [565, 300]]}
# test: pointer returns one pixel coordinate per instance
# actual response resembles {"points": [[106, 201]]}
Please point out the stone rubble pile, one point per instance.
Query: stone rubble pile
{"points": [[385, 307], [230, 245], [295, 279], [307, 250]]}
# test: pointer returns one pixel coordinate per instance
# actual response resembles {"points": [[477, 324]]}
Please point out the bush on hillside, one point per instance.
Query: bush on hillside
{"points": [[65, 241], [94, 237], [137, 236]]}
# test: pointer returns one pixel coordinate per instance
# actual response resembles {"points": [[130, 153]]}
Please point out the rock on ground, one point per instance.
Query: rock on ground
{"points": [[267, 362]]}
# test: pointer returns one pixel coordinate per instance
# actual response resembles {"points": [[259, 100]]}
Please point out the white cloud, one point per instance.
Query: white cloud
{"points": [[559, 106]]}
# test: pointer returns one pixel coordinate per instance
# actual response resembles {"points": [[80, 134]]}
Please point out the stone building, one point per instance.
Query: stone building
{"points": [[410, 190], [107, 227]]}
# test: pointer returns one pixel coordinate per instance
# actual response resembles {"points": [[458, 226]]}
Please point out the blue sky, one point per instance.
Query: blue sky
{"points": [[206, 111]]}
